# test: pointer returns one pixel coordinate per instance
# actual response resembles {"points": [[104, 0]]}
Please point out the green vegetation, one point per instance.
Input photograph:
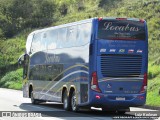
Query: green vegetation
{"points": [[12, 80], [20, 17], [153, 96]]}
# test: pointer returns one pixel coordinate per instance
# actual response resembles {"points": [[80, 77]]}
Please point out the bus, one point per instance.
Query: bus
{"points": [[98, 62]]}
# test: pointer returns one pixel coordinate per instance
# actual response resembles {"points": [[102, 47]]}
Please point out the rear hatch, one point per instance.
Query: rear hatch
{"points": [[120, 56]]}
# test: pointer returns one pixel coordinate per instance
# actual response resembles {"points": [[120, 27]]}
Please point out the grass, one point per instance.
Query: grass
{"points": [[153, 71], [153, 96]]}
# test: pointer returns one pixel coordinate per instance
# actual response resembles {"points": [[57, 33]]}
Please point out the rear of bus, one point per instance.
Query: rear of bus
{"points": [[119, 76]]}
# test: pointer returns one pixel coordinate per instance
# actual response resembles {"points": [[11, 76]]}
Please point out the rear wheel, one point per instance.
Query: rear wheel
{"points": [[121, 112], [73, 102], [104, 109], [66, 104], [107, 110]]}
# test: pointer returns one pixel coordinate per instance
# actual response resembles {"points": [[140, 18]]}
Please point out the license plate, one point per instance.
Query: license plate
{"points": [[120, 98]]}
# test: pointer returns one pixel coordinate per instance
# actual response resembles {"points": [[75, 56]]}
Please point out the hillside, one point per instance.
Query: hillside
{"points": [[16, 25]]}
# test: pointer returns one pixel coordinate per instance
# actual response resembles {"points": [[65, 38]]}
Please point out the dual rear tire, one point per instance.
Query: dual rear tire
{"points": [[69, 102]]}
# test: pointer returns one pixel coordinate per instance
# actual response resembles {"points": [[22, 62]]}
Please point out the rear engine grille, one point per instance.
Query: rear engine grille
{"points": [[121, 65]]}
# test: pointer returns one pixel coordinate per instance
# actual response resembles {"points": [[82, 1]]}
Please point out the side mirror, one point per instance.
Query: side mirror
{"points": [[21, 59]]}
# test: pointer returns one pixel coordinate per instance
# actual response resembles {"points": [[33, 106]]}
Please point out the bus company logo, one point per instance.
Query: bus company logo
{"points": [[52, 58], [130, 51], [112, 50], [139, 51], [122, 50], [111, 26]]}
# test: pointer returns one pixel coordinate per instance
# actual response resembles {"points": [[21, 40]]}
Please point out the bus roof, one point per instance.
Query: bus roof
{"points": [[84, 21], [63, 25]]}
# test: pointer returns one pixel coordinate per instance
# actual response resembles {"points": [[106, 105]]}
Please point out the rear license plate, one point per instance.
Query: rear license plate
{"points": [[120, 98]]}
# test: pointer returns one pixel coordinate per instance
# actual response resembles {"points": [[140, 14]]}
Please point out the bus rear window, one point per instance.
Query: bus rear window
{"points": [[121, 30]]}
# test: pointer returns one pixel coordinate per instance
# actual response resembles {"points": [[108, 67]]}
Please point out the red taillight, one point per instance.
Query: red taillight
{"points": [[141, 20], [94, 82], [144, 84], [99, 19], [98, 97]]}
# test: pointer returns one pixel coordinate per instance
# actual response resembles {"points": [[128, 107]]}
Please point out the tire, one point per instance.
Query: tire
{"points": [[66, 102], [108, 111], [33, 101], [74, 106], [121, 112], [104, 109]]}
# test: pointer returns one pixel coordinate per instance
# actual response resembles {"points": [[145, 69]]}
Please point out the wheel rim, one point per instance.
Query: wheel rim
{"points": [[65, 102], [73, 102], [32, 99]]}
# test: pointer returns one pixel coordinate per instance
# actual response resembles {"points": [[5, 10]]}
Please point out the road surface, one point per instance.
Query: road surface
{"points": [[12, 101]]}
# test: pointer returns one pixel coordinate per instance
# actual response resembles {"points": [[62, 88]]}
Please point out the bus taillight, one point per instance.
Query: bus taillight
{"points": [[141, 20], [94, 82], [99, 19], [144, 84]]}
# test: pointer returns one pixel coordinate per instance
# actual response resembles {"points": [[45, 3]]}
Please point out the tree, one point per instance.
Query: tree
{"points": [[17, 15], [43, 13]]}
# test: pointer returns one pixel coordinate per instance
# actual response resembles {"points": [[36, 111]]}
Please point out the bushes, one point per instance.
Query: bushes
{"points": [[153, 71], [153, 89], [10, 50], [17, 15], [12, 80]]}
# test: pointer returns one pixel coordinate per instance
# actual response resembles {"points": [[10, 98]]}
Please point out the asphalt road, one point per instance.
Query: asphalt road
{"points": [[12, 101]]}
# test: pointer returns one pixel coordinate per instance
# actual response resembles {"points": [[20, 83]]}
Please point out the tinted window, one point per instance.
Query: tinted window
{"points": [[46, 72], [36, 42], [39, 42], [28, 43], [52, 39], [44, 39], [71, 36], [62, 32], [121, 30]]}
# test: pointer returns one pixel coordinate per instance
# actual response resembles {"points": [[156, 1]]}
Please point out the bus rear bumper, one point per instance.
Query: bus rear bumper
{"points": [[117, 100]]}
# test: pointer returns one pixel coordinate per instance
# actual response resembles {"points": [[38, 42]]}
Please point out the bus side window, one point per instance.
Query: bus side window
{"points": [[36, 44], [84, 33], [87, 33], [61, 42], [28, 44], [52, 39], [71, 36], [25, 66], [79, 35], [43, 41]]}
